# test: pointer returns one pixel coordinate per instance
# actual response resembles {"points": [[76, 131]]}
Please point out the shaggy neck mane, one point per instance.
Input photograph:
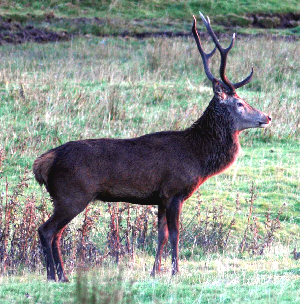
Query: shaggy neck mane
{"points": [[215, 140]]}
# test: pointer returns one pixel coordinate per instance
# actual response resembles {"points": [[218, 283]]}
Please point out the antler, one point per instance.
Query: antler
{"points": [[205, 57], [223, 52]]}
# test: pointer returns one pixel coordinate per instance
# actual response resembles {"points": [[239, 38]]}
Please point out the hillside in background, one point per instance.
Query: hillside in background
{"points": [[50, 20]]}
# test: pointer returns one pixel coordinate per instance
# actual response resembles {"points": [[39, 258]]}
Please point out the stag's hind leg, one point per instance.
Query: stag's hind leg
{"points": [[46, 236], [50, 234], [59, 266], [162, 238]]}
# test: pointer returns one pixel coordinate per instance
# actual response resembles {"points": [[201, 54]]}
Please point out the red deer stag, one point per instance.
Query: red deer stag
{"points": [[162, 168]]}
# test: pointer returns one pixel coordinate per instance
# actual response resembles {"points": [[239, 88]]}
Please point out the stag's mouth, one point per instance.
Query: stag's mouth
{"points": [[267, 123]]}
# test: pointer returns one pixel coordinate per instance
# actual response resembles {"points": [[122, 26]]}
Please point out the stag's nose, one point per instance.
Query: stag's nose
{"points": [[267, 121]]}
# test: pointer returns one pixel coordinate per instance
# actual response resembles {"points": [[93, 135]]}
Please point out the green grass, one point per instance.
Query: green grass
{"points": [[217, 279], [33, 289], [126, 9]]}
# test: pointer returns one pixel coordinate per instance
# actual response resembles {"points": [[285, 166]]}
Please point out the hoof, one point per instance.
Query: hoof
{"points": [[64, 280]]}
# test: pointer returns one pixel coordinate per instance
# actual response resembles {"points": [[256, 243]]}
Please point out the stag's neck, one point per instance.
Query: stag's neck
{"points": [[215, 142], [214, 128]]}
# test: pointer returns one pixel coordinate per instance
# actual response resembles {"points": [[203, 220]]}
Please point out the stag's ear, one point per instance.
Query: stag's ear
{"points": [[219, 90]]}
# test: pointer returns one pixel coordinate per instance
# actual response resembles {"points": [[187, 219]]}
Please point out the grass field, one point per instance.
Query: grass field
{"points": [[115, 87], [93, 87], [217, 279]]}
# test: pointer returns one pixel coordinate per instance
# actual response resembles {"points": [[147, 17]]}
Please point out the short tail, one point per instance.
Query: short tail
{"points": [[42, 166]]}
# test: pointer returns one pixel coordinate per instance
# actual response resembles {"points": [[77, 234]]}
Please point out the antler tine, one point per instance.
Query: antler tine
{"points": [[223, 52], [205, 56], [245, 81]]}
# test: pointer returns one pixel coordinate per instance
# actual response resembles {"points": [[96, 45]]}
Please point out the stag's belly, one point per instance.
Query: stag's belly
{"points": [[152, 199]]}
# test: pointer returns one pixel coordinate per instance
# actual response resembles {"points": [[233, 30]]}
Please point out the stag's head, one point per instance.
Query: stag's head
{"points": [[227, 102]]}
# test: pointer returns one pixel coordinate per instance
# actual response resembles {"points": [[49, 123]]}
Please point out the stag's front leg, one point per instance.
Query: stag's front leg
{"points": [[173, 214], [162, 238]]}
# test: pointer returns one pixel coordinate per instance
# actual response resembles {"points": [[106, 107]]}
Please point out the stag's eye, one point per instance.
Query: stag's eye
{"points": [[239, 104]]}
